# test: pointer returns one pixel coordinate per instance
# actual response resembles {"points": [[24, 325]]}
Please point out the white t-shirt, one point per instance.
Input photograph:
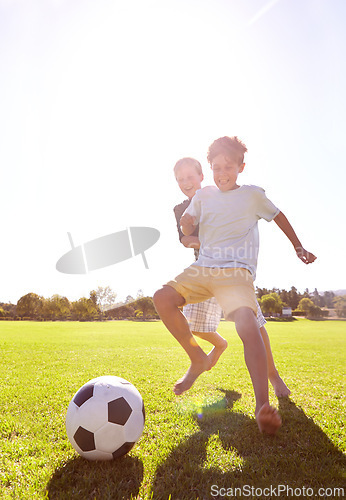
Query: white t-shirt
{"points": [[228, 229]]}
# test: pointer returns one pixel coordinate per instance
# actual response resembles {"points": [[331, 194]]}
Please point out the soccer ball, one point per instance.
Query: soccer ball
{"points": [[105, 418]]}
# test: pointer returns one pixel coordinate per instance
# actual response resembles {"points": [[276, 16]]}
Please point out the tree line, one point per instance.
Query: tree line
{"points": [[101, 305], [309, 304]]}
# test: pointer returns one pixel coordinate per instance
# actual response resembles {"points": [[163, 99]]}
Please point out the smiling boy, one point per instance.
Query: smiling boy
{"points": [[225, 269], [204, 317]]}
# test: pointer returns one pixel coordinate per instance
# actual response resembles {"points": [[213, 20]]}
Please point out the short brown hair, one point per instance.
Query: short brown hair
{"points": [[228, 146], [187, 161]]}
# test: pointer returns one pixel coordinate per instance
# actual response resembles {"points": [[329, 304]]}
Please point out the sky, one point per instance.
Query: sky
{"points": [[98, 100]]}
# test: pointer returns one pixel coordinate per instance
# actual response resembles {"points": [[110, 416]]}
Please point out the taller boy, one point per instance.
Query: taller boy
{"points": [[227, 215]]}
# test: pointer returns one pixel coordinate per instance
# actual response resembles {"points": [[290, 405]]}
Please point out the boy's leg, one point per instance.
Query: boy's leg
{"points": [[268, 419], [167, 302], [203, 319], [235, 293], [220, 345], [280, 388]]}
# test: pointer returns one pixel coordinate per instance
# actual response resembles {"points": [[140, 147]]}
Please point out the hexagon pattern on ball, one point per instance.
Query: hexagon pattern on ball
{"points": [[105, 418]]}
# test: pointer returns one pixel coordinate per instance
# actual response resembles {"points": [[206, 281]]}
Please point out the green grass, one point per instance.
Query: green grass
{"points": [[179, 454]]}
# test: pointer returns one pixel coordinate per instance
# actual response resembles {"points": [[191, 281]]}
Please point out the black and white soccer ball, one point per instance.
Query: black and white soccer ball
{"points": [[105, 418]]}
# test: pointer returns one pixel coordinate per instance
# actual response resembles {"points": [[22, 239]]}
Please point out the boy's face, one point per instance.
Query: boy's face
{"points": [[189, 180], [226, 171]]}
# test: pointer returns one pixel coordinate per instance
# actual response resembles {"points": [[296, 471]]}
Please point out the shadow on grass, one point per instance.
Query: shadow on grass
{"points": [[300, 455], [80, 479]]}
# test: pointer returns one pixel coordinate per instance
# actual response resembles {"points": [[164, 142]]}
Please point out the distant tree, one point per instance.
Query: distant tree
{"points": [[261, 291], [309, 308], [305, 305], [129, 299], [329, 299], [30, 305], [56, 307], [293, 298], [84, 310], [104, 297], [122, 312], [93, 297], [315, 312], [317, 299], [267, 304], [146, 306], [271, 303], [284, 297], [2, 313], [9, 309], [340, 306]]}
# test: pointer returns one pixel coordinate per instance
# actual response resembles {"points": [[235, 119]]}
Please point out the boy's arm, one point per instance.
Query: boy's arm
{"points": [[191, 242], [286, 227], [187, 224]]}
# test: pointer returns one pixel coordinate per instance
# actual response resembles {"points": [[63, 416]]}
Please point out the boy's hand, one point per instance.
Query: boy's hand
{"points": [[305, 256], [187, 220]]}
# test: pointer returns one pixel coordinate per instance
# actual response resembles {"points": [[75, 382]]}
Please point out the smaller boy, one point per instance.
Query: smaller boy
{"points": [[204, 317], [228, 215]]}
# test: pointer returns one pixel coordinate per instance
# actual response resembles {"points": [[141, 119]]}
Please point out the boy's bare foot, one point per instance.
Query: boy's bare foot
{"points": [[268, 419], [190, 376], [280, 388], [216, 352]]}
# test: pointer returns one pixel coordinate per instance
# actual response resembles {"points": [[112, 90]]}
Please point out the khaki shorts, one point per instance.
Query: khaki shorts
{"points": [[232, 287]]}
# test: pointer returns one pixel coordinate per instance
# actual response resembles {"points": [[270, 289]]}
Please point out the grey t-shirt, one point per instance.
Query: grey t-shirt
{"points": [[178, 212], [228, 229]]}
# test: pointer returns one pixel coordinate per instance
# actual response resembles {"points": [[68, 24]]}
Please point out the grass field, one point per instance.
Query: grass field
{"points": [[180, 455]]}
